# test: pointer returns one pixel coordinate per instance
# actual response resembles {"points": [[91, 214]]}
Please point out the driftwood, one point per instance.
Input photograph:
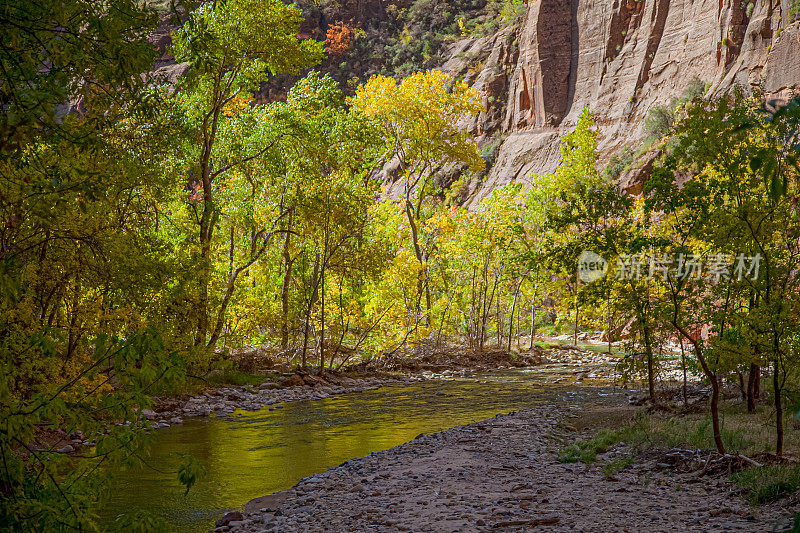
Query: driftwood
{"points": [[693, 457]]}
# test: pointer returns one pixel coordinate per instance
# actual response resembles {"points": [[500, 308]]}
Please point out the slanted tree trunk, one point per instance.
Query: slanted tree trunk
{"points": [[511, 318], [712, 378]]}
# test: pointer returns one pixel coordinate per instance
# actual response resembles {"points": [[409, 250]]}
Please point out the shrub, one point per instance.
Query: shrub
{"points": [[339, 39], [659, 122], [586, 451], [617, 465], [619, 163], [794, 9]]}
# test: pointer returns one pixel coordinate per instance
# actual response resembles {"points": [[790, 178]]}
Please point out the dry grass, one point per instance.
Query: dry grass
{"points": [[751, 434]]}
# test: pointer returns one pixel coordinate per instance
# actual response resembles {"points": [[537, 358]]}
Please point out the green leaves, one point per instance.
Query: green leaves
{"points": [[54, 52], [190, 471], [243, 39]]}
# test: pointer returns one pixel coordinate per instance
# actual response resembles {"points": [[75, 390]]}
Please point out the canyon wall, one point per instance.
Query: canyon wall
{"points": [[619, 58]]}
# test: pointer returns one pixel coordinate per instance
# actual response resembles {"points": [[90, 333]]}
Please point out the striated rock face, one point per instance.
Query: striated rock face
{"points": [[619, 58]]}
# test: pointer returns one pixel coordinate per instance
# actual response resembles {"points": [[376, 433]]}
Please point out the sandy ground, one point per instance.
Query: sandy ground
{"points": [[501, 474]]}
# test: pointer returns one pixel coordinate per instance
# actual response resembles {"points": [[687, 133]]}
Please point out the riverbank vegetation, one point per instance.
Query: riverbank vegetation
{"points": [[153, 233]]}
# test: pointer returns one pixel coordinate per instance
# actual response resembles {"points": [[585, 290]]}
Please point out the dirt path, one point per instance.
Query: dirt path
{"points": [[500, 474]]}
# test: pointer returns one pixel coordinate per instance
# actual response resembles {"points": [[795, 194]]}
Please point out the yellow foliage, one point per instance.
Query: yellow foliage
{"points": [[423, 115], [236, 106]]}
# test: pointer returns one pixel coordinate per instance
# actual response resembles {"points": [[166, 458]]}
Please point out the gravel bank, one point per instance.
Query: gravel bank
{"points": [[500, 473]]}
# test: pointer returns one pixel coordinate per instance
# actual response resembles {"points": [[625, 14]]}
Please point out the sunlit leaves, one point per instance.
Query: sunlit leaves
{"points": [[422, 115]]}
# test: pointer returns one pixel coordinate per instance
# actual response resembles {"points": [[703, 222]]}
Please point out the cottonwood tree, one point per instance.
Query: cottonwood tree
{"points": [[421, 118], [230, 48], [331, 196], [738, 207]]}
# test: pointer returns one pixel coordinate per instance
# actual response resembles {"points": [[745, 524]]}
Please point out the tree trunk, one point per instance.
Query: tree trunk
{"points": [[778, 411], [499, 321], [751, 385], [757, 384], [742, 386], [715, 414], [648, 348], [285, 286], [575, 338], [712, 377], [421, 281], [483, 304], [471, 321], [311, 301], [683, 367], [322, 316], [511, 318]]}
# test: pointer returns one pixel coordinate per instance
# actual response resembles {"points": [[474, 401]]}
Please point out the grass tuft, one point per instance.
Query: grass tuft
{"points": [[768, 483], [617, 465], [586, 451]]}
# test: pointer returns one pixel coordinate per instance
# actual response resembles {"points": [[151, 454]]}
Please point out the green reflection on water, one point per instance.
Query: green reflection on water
{"points": [[267, 451]]}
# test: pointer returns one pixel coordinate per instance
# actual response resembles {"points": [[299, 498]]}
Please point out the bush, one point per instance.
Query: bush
{"points": [[619, 163], [659, 122], [512, 10], [490, 150], [617, 465], [661, 119]]}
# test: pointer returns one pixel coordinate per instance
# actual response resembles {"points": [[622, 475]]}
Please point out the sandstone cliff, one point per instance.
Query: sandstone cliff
{"points": [[619, 58]]}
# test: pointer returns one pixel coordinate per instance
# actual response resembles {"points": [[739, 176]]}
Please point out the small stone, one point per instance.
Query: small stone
{"points": [[66, 449], [229, 518]]}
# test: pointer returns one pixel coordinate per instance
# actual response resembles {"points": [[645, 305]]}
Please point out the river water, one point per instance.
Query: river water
{"points": [[267, 451]]}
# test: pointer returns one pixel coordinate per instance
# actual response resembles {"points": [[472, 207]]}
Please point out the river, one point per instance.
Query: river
{"points": [[267, 451]]}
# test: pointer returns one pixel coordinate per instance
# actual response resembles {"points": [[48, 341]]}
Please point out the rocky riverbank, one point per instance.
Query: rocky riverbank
{"points": [[222, 402], [574, 365], [502, 473]]}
